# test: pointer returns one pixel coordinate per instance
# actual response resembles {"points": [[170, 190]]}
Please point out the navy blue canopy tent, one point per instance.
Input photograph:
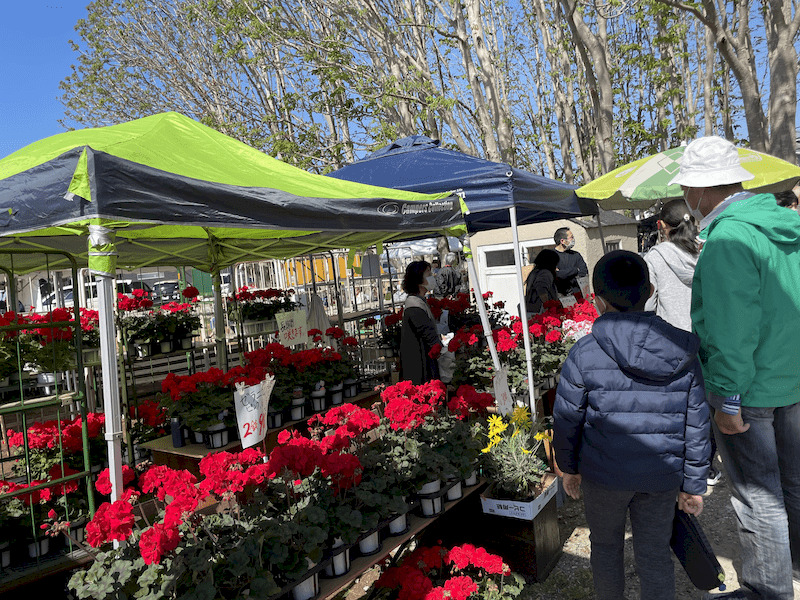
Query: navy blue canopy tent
{"points": [[496, 194], [417, 163]]}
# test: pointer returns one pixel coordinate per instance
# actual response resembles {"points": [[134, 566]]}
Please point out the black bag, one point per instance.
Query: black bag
{"points": [[693, 549]]}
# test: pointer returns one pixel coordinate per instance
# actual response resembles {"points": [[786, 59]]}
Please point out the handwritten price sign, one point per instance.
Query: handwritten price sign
{"points": [[252, 405], [292, 327], [505, 405]]}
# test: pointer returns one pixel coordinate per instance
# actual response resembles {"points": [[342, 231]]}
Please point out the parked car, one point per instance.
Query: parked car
{"points": [[48, 302], [166, 291]]}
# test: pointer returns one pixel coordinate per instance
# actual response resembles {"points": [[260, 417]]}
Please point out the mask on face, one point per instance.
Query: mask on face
{"points": [[569, 244], [695, 212], [430, 282]]}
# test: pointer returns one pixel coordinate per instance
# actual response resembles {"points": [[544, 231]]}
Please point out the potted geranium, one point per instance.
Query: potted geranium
{"points": [[203, 402], [14, 348], [136, 322], [256, 309], [90, 335], [418, 422], [436, 573], [47, 441], [52, 349]]}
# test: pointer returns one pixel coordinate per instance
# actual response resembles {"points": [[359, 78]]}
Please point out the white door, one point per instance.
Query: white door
{"points": [[498, 274]]}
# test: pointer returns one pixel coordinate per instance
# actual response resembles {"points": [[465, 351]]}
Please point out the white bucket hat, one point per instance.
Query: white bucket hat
{"points": [[709, 162]]}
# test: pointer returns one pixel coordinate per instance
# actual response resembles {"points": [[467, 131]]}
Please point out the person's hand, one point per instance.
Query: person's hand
{"points": [[572, 485], [730, 424], [690, 504]]}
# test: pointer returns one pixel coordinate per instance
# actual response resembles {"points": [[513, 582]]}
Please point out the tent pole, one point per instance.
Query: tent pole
{"points": [[313, 274], [391, 280], [523, 311], [602, 237], [102, 262], [108, 359], [487, 328], [219, 322], [339, 312]]}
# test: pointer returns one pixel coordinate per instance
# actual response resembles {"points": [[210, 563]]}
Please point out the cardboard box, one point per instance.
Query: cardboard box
{"points": [[516, 509]]}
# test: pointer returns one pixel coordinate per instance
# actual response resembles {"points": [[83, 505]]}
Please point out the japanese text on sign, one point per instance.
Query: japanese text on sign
{"points": [[292, 327], [502, 394], [252, 405]]}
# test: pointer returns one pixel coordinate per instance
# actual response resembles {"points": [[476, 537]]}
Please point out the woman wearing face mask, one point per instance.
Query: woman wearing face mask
{"points": [[672, 264], [418, 333]]}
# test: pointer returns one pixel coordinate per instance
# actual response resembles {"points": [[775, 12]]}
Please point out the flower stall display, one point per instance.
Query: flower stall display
{"points": [[552, 334], [309, 503], [256, 309], [171, 326], [460, 573], [48, 439], [22, 512], [513, 456], [431, 440], [14, 347], [203, 401], [52, 349], [90, 335]]}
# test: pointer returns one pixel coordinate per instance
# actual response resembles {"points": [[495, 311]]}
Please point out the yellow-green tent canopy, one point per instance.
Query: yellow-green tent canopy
{"points": [[176, 192]]}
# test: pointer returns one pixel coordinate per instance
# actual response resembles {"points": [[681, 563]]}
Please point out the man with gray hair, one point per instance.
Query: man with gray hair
{"points": [[746, 311]]}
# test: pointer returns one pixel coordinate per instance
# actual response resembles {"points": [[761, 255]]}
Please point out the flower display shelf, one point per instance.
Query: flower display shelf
{"points": [[422, 499], [531, 548], [331, 587], [31, 571], [188, 457]]}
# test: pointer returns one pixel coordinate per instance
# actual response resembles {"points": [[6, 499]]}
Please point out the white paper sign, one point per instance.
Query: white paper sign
{"points": [[252, 404], [502, 395], [292, 327], [583, 282], [567, 301]]}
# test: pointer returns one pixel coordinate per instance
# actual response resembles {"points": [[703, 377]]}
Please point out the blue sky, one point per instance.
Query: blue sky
{"points": [[36, 57]]}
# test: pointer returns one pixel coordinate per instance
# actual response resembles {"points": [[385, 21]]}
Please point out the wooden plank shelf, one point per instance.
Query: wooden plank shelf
{"points": [[189, 456], [330, 587]]}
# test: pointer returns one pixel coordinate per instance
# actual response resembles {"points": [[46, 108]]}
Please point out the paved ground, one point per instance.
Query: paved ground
{"points": [[572, 579]]}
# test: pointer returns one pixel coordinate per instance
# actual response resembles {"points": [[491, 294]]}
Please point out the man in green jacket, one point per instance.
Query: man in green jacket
{"points": [[746, 311]]}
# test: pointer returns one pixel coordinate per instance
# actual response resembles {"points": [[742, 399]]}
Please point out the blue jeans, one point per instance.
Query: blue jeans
{"points": [[651, 522], [763, 467]]}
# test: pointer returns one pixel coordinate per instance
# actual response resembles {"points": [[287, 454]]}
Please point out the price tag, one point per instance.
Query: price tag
{"points": [[567, 301], [252, 405], [585, 286], [502, 395], [292, 327]]}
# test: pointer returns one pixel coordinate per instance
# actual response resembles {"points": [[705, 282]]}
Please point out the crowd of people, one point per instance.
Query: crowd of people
{"points": [[695, 351], [639, 398]]}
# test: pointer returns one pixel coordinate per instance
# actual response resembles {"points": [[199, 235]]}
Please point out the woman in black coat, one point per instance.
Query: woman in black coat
{"points": [[540, 285], [418, 334]]}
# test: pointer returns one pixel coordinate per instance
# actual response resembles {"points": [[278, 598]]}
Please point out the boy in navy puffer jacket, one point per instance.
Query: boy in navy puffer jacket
{"points": [[632, 429]]}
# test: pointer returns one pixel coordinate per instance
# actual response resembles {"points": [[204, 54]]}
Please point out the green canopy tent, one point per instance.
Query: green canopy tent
{"points": [[166, 190]]}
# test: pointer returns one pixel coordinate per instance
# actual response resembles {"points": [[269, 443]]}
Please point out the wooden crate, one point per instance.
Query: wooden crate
{"points": [[531, 548]]}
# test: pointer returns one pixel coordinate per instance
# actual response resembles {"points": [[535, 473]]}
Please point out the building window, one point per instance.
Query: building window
{"points": [[533, 251], [611, 246], [500, 258]]}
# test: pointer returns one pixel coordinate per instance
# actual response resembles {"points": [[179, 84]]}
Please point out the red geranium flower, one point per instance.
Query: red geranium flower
{"points": [[103, 483], [335, 332], [552, 336], [111, 522], [158, 541], [190, 292]]}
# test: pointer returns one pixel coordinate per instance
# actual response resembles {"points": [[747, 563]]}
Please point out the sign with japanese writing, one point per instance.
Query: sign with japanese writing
{"points": [[252, 405], [292, 327], [567, 301], [502, 395]]}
